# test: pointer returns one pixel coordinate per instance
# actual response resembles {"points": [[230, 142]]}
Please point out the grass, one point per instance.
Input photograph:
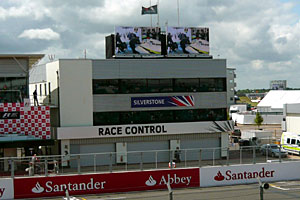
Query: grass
{"points": [[247, 100]]}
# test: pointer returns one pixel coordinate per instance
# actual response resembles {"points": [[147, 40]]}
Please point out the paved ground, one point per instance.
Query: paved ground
{"points": [[280, 190]]}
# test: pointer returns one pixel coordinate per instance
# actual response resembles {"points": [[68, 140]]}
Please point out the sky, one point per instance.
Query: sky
{"points": [[259, 38]]}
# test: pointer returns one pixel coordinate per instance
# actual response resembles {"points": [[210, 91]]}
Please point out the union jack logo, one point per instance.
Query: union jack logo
{"points": [[182, 101]]}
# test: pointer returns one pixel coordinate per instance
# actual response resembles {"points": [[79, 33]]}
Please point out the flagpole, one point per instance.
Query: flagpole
{"points": [[157, 13], [150, 15], [178, 12]]}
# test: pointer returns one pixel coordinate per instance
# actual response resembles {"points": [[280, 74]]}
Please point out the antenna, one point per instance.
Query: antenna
{"points": [[51, 57], [84, 53]]}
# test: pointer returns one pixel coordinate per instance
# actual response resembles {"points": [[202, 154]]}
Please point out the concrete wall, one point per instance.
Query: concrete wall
{"points": [[76, 99], [249, 119], [159, 68]]}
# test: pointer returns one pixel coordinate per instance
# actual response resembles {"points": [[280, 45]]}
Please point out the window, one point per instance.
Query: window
{"points": [[161, 116], [288, 141], [293, 141], [45, 89], [49, 89], [40, 89], [186, 85], [133, 86], [207, 85], [106, 86], [166, 85]]}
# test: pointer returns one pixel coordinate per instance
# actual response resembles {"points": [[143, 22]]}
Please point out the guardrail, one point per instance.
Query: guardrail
{"points": [[133, 160]]}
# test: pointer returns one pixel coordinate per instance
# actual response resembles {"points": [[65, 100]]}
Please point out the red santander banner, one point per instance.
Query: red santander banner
{"points": [[37, 187]]}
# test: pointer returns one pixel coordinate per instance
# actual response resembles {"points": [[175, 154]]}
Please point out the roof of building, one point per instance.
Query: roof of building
{"points": [[22, 55], [276, 98]]}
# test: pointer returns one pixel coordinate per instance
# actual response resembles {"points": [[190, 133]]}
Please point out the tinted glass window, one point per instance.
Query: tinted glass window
{"points": [[293, 141], [105, 86], [133, 86], [186, 85]]}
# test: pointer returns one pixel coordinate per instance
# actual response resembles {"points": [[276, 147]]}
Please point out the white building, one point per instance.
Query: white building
{"points": [[121, 105], [231, 85], [270, 107]]}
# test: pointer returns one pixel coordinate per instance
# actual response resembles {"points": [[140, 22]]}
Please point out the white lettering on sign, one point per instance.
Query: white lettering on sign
{"points": [[149, 102], [51, 187], [174, 179]]}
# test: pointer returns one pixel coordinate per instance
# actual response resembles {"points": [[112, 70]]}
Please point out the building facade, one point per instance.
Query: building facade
{"points": [[123, 105], [23, 128], [231, 85]]}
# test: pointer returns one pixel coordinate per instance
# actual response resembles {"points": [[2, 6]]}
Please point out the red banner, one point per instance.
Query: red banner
{"points": [[105, 183]]}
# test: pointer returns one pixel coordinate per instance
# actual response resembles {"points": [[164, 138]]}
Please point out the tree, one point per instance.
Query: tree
{"points": [[258, 119]]}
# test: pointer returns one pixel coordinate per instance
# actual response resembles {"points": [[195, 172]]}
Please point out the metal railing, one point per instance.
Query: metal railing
{"points": [[134, 160]]}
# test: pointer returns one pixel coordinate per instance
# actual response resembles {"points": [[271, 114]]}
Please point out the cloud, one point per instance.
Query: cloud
{"points": [[42, 34], [260, 38]]}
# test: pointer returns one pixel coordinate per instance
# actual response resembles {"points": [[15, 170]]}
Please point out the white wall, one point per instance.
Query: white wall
{"points": [[249, 119], [293, 124], [76, 98], [51, 69], [245, 174]]}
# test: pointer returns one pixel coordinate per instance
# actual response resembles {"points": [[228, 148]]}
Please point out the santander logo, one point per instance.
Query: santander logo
{"points": [[38, 188], [151, 181], [244, 175], [219, 177], [171, 179]]}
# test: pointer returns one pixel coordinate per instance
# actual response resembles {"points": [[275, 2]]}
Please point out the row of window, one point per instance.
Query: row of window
{"points": [[13, 89], [129, 86], [40, 92], [162, 116]]}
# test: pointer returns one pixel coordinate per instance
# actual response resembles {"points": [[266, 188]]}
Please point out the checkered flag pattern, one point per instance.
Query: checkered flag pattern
{"points": [[34, 120]]}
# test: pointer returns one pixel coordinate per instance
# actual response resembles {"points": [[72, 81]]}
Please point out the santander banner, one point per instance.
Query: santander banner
{"points": [[105, 183], [243, 174]]}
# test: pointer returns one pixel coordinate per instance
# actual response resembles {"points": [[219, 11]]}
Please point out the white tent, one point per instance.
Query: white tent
{"points": [[274, 100]]}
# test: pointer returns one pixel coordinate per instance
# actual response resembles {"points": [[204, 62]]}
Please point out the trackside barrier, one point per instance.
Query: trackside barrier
{"points": [[97, 183], [38, 187], [133, 160], [6, 188], [245, 174]]}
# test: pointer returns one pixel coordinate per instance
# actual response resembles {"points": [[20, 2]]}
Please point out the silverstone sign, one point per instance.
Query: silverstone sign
{"points": [[165, 101]]}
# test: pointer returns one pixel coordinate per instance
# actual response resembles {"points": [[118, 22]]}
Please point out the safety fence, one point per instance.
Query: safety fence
{"points": [[142, 160]]}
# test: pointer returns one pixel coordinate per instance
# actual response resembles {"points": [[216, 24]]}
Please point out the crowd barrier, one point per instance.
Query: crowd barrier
{"points": [[99, 183]]}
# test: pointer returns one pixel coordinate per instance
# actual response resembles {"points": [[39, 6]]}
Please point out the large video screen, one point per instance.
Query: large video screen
{"points": [[187, 40], [137, 40]]}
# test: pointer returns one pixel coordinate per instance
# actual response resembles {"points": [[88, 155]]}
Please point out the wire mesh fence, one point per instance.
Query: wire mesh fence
{"points": [[137, 160]]}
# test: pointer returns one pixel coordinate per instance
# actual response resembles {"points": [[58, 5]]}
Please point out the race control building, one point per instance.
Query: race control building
{"points": [[121, 105]]}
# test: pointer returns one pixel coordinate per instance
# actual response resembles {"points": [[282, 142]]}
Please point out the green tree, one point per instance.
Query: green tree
{"points": [[258, 119]]}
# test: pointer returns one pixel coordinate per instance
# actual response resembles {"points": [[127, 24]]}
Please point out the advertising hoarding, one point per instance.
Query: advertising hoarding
{"points": [[143, 129], [166, 101], [245, 174], [187, 40], [18, 119], [38, 187], [137, 40], [6, 188]]}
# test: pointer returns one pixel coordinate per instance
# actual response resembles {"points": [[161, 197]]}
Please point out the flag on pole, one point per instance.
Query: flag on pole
{"points": [[150, 10]]}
